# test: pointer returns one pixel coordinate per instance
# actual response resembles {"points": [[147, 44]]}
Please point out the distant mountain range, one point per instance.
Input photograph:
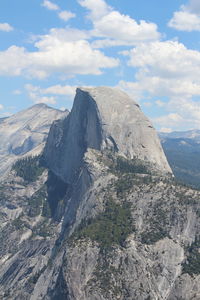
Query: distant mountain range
{"points": [[183, 153], [190, 134]]}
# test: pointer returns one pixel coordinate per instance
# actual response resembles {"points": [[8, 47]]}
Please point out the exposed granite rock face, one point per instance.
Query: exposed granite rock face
{"points": [[25, 133], [185, 287], [150, 263], [100, 225], [103, 119]]}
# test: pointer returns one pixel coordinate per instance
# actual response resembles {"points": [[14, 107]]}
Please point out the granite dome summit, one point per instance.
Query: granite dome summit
{"points": [[102, 118]]}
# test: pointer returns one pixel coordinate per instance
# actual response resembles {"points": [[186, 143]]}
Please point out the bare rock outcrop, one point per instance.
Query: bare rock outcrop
{"points": [[102, 118]]}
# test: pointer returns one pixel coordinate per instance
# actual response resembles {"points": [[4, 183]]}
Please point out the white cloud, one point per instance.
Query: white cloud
{"points": [[116, 28], [187, 18], [51, 93], [62, 14], [5, 27], [184, 113], [50, 5], [97, 8], [134, 89], [36, 96], [160, 103], [13, 61], [166, 68], [64, 35], [165, 129], [56, 53], [47, 100], [17, 92], [66, 15], [185, 21], [170, 70], [147, 104], [187, 108], [172, 119], [1, 106], [62, 90], [124, 29]]}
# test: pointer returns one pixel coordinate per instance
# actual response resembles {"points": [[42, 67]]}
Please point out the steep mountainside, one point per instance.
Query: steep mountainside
{"points": [[98, 219], [183, 153], [25, 133]]}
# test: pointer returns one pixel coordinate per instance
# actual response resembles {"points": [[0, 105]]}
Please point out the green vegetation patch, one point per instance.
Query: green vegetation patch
{"points": [[158, 226], [45, 229], [38, 203], [192, 265], [124, 183], [28, 168], [3, 197], [153, 236], [134, 165], [121, 165], [19, 224], [129, 172], [110, 227], [104, 277]]}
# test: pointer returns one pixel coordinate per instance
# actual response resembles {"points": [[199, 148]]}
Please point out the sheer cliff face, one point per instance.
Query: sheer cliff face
{"points": [[103, 119], [25, 133]]}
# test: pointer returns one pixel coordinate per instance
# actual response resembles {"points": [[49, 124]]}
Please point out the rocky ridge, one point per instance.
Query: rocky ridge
{"points": [[25, 133]]}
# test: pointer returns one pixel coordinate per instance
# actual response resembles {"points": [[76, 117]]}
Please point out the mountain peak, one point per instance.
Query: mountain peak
{"points": [[105, 91], [104, 96], [25, 132], [103, 118], [40, 105], [45, 106], [125, 128]]}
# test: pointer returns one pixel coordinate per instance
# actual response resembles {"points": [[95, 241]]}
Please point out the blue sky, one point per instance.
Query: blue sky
{"points": [[148, 48]]}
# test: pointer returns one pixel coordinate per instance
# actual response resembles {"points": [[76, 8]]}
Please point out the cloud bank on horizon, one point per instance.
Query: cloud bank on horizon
{"points": [[90, 42]]}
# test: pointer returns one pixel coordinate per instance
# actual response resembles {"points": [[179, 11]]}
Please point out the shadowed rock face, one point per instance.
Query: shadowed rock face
{"points": [[102, 118], [25, 133]]}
